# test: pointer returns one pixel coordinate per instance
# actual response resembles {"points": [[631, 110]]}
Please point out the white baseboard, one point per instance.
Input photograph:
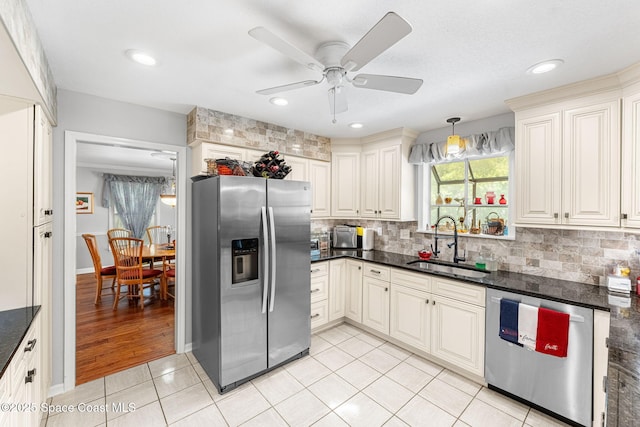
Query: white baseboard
{"points": [[188, 347], [56, 389], [84, 270]]}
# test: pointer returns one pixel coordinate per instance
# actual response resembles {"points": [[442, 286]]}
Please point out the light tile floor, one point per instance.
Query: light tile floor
{"points": [[350, 378]]}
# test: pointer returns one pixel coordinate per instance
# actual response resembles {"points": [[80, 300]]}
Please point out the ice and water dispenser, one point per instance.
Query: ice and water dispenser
{"points": [[244, 258]]}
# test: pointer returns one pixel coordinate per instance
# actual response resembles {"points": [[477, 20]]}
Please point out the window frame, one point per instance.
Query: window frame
{"points": [[423, 196]]}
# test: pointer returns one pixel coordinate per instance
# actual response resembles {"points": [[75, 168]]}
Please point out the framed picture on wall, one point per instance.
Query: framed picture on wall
{"points": [[84, 203]]}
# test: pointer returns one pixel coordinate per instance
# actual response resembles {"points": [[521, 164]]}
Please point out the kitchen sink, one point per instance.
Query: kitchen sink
{"points": [[449, 269]]}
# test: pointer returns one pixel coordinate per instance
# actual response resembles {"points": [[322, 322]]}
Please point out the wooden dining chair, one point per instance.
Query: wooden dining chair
{"points": [[100, 272], [127, 254], [169, 272], [157, 234], [118, 232]]}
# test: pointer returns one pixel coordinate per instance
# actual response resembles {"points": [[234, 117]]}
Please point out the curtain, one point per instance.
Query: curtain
{"points": [[483, 144], [134, 197]]}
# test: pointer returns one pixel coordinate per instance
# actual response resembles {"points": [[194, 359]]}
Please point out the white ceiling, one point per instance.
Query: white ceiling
{"points": [[472, 55]]}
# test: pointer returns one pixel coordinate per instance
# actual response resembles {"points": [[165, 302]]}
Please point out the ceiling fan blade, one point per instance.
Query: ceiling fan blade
{"points": [[268, 38], [290, 86], [338, 100], [387, 32], [388, 83]]}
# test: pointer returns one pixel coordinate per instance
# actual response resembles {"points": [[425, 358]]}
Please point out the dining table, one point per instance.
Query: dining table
{"points": [[165, 251]]}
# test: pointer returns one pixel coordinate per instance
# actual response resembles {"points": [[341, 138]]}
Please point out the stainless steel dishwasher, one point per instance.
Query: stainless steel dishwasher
{"points": [[560, 385]]}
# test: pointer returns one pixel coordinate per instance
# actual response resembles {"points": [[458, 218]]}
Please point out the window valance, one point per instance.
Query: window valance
{"points": [[483, 144], [108, 177]]}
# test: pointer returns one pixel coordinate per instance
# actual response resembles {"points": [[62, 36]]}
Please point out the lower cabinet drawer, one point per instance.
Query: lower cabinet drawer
{"points": [[319, 313]]}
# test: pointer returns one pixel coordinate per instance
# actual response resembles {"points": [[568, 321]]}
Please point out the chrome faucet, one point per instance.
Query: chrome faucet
{"points": [[435, 251]]}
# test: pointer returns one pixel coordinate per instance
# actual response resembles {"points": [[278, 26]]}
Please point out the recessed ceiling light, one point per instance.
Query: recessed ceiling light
{"points": [[228, 131], [279, 101], [356, 125], [545, 66], [141, 57]]}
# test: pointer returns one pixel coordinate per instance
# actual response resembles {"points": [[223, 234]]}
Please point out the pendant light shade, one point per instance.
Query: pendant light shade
{"points": [[453, 141], [168, 196]]}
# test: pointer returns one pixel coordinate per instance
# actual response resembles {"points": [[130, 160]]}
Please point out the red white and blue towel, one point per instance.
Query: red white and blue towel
{"points": [[535, 328]]}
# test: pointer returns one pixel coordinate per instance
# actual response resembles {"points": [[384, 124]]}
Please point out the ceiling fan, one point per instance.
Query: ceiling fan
{"points": [[336, 59]]}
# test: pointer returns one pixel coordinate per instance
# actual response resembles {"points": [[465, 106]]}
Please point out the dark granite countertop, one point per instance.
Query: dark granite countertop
{"points": [[14, 325], [623, 387]]}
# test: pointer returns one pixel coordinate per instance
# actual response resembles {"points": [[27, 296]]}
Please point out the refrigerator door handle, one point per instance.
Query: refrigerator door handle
{"points": [[265, 256], [272, 229]]}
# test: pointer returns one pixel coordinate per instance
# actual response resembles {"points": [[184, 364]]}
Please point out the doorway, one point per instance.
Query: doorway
{"points": [[74, 140]]}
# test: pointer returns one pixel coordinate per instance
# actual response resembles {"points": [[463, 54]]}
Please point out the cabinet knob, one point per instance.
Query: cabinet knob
{"points": [[48, 234], [566, 214], [30, 375], [433, 302], [624, 216], [48, 212], [315, 315], [386, 289], [555, 215], [427, 301], [357, 212], [359, 268], [30, 345]]}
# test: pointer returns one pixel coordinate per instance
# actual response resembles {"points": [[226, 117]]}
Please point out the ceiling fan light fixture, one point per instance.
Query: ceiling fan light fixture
{"points": [[454, 142], [356, 125], [141, 57], [280, 102], [545, 66]]}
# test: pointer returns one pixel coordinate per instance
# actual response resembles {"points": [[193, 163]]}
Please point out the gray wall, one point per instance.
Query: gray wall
{"points": [[85, 113]]}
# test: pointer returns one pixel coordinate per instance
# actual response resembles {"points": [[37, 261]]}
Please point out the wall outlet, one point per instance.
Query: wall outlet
{"points": [[404, 234], [379, 231]]}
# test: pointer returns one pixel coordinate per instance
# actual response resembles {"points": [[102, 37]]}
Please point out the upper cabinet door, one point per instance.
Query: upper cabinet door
{"points": [[538, 163], [369, 184], [299, 168], [631, 161], [389, 175], [320, 178], [43, 174], [345, 185], [591, 165]]}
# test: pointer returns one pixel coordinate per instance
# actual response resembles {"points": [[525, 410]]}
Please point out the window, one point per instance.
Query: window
{"points": [[474, 191]]}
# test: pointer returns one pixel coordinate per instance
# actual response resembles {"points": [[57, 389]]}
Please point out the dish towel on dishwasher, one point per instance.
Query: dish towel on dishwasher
{"points": [[527, 325], [553, 332], [509, 320]]}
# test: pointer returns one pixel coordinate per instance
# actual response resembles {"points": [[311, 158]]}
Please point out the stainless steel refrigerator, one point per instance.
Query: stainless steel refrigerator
{"points": [[251, 291]]}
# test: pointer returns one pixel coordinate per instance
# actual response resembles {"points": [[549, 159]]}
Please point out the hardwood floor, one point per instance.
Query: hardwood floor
{"points": [[109, 341]]}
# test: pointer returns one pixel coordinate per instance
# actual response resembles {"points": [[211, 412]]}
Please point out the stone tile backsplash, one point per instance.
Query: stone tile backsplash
{"points": [[212, 126], [575, 255]]}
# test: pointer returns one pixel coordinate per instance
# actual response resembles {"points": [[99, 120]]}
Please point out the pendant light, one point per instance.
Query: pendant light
{"points": [[453, 141], [168, 196]]}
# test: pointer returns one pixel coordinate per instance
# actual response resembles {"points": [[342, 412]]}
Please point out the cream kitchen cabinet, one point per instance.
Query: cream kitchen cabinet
{"points": [[410, 308], [42, 284], [631, 157], [202, 151], [345, 184], [319, 174], [337, 286], [319, 294], [380, 188], [385, 185], [42, 171], [568, 163], [375, 297], [353, 291], [458, 324], [320, 178], [22, 384]]}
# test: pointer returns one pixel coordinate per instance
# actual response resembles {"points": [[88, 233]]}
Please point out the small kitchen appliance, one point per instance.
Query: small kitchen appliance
{"points": [[345, 237], [368, 235]]}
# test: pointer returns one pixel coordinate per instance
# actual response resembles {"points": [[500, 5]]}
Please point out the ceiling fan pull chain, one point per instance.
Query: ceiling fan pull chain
{"points": [[334, 121]]}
